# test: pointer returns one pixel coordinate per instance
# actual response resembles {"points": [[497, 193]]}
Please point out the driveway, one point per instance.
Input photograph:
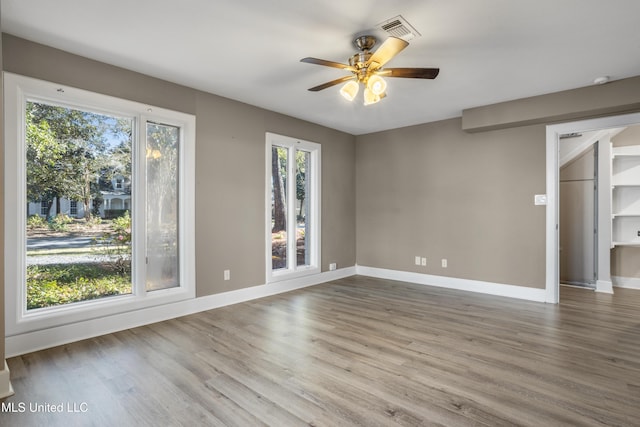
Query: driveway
{"points": [[63, 242], [59, 242]]}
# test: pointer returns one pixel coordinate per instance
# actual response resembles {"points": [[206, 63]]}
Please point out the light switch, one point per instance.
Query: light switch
{"points": [[540, 199]]}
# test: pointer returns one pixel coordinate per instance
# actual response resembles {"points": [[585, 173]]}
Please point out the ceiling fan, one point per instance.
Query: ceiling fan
{"points": [[367, 68]]}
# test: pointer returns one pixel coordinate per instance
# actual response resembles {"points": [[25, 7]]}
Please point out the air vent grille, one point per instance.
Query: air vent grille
{"points": [[398, 27]]}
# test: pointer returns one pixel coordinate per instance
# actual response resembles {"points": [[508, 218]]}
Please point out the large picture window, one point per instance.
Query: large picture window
{"points": [[99, 199], [293, 207]]}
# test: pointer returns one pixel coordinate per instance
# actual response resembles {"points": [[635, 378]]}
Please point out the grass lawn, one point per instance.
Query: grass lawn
{"points": [[56, 284], [83, 278]]}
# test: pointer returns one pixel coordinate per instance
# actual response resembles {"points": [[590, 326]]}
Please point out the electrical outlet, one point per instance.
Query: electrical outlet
{"points": [[423, 262], [417, 260], [227, 275], [332, 266], [444, 263], [638, 233]]}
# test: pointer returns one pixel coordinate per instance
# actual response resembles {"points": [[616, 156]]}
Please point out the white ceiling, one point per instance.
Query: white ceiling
{"points": [[249, 50]]}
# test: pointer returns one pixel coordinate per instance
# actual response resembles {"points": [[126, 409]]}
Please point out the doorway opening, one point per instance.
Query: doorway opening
{"points": [[578, 200], [604, 223]]}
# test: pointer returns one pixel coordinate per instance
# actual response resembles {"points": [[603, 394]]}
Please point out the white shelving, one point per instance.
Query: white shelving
{"points": [[625, 196]]}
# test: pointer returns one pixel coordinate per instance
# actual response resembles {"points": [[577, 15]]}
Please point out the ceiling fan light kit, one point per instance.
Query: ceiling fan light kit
{"points": [[377, 84], [366, 68], [350, 90], [370, 97]]}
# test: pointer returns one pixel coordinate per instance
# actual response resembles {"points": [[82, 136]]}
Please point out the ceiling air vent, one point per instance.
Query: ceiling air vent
{"points": [[398, 27]]}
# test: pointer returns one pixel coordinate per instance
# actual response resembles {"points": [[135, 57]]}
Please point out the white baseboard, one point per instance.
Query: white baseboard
{"points": [[39, 340], [511, 291], [626, 282], [47, 338], [5, 384], [604, 287]]}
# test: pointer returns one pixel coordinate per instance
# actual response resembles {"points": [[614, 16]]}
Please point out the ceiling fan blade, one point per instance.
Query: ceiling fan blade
{"points": [[327, 63], [387, 50], [331, 83], [412, 73]]}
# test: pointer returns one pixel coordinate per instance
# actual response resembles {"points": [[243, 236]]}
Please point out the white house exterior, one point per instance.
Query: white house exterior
{"points": [[113, 202]]}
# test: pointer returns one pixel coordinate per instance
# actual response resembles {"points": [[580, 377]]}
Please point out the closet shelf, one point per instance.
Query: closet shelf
{"points": [[625, 195], [626, 244], [628, 151], [626, 184]]}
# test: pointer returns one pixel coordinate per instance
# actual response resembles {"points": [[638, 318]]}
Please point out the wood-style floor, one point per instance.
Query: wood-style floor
{"points": [[357, 351]]}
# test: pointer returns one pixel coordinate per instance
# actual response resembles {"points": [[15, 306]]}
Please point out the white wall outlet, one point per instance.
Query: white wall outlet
{"points": [[423, 262], [332, 266], [417, 260], [444, 263], [227, 275]]}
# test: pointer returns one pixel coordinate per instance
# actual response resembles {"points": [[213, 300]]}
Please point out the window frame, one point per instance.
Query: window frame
{"points": [[315, 150], [17, 91]]}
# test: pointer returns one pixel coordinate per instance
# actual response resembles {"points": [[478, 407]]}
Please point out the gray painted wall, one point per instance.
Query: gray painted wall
{"points": [[436, 191], [616, 97]]}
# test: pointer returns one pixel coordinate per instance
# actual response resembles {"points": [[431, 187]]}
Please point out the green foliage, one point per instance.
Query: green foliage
{"points": [[60, 222], [279, 175], [116, 244], [98, 200], [122, 228], [50, 285], [44, 155], [93, 221], [36, 221], [69, 150]]}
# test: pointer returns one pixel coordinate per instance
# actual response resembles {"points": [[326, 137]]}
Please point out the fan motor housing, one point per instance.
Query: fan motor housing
{"points": [[359, 59], [365, 42]]}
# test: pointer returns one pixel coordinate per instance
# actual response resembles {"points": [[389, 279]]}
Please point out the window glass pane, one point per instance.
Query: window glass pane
{"points": [[303, 196], [279, 208], [162, 151], [71, 156]]}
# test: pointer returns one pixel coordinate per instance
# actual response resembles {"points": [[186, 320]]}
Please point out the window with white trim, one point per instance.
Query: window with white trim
{"points": [[144, 254], [292, 207]]}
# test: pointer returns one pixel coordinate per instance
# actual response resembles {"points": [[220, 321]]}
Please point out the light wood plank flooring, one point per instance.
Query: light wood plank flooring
{"points": [[357, 351]]}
